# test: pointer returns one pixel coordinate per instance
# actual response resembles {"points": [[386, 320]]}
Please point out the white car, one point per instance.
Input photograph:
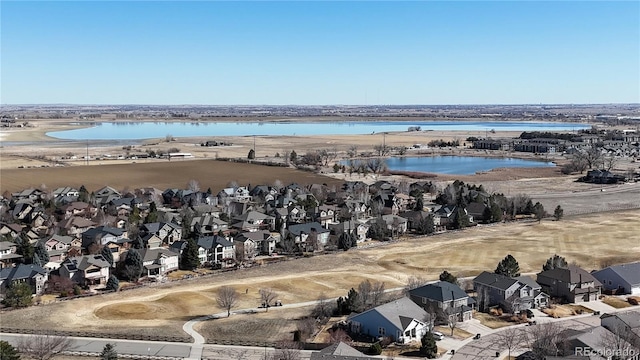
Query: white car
{"points": [[438, 335]]}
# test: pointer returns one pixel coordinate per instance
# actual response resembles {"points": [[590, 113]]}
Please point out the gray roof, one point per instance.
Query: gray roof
{"points": [[339, 351], [629, 272], [86, 261], [495, 280], [631, 318], [528, 280], [306, 228], [154, 254], [395, 310], [441, 291], [210, 242], [571, 274], [22, 271], [593, 338], [6, 245]]}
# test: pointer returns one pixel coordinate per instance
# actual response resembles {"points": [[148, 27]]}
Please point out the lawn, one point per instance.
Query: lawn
{"points": [[616, 302], [564, 310], [491, 321], [458, 333]]}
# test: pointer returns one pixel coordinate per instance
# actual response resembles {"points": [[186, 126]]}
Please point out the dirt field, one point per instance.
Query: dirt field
{"points": [[588, 241], [161, 175]]}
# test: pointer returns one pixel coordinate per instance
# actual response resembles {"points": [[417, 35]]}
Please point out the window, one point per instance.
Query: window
{"points": [[381, 331]]}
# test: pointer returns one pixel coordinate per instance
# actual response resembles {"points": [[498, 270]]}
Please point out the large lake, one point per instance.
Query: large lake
{"points": [[147, 130], [458, 165]]}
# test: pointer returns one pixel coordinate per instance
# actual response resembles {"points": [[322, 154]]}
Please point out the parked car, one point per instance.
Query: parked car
{"points": [[438, 335]]}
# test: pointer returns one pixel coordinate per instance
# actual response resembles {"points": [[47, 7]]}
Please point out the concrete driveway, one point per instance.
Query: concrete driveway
{"points": [[598, 305], [474, 326]]}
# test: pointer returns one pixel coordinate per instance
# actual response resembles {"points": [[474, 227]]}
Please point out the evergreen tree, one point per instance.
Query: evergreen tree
{"points": [[18, 294], [461, 220], [26, 249], [42, 253], [508, 267], [189, 259], [448, 277], [419, 202], [429, 349], [348, 304], [293, 156], [8, 352], [109, 352], [152, 216], [83, 194], [113, 283], [251, 155], [538, 211], [496, 212], [426, 225], [346, 241], [133, 265], [107, 255], [134, 216], [558, 213], [555, 261]]}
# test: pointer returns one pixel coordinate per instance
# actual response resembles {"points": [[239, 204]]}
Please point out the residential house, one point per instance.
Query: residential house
{"points": [[476, 210], [512, 294], [359, 210], [447, 215], [400, 318], [118, 248], [264, 240], [246, 248], [151, 241], [571, 283], [21, 211], [357, 228], [105, 195], [624, 278], [31, 194], [166, 231], [75, 225], [325, 215], [599, 342], [386, 203], [79, 208], [159, 261], [86, 270], [395, 223], [312, 235], [239, 193], [339, 351], [8, 254], [216, 250], [66, 192], [57, 247], [209, 225], [254, 221], [10, 231], [31, 274], [444, 298], [626, 324], [415, 218], [102, 235]]}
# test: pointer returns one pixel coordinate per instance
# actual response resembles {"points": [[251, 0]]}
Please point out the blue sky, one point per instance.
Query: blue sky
{"points": [[419, 52]]}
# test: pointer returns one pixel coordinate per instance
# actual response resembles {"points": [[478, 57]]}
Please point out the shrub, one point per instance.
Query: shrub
{"points": [[375, 349]]}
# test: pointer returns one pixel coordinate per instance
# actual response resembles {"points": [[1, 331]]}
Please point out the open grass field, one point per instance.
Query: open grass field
{"points": [[587, 240], [161, 174]]}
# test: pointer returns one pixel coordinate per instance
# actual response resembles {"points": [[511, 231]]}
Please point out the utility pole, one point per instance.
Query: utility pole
{"points": [[86, 158]]}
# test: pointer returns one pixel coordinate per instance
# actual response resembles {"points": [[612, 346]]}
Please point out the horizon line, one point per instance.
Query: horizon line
{"points": [[317, 105]]}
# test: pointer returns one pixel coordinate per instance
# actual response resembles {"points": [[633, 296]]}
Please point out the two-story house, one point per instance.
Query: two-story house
{"points": [[444, 298], [8, 254], [254, 221], [216, 250], [357, 228], [102, 235], [312, 235], [31, 274], [159, 261], [86, 270], [167, 232], [209, 225], [264, 240], [512, 294], [571, 283]]}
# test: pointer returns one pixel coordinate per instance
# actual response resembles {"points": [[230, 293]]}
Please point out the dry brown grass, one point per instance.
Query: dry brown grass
{"points": [[491, 321], [633, 300], [583, 240], [564, 310], [261, 327], [616, 302], [458, 333]]}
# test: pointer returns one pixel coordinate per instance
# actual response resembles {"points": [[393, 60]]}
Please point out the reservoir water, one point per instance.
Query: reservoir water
{"points": [[458, 165], [147, 130]]}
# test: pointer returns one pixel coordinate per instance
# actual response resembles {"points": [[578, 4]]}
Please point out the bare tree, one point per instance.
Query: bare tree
{"points": [[193, 185], [452, 320], [43, 347], [353, 151], [323, 307], [377, 293], [267, 296], [512, 338], [376, 165], [544, 340], [339, 335], [285, 350], [616, 340], [609, 162], [414, 282], [227, 298]]}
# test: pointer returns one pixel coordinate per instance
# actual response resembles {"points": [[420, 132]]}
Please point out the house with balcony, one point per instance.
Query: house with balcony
{"points": [[86, 270], [158, 261], [216, 250], [8, 254], [445, 298], [512, 294]]}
